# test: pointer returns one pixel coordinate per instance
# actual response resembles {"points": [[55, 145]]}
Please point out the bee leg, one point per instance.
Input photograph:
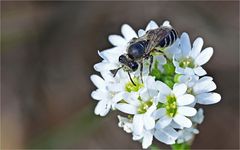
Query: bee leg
{"points": [[116, 71], [131, 79], [141, 70], [151, 62]]}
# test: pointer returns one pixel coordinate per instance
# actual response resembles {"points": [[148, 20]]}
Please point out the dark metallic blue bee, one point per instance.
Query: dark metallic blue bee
{"points": [[141, 48]]}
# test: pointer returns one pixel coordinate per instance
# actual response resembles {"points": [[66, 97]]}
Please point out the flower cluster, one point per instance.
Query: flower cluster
{"points": [[161, 105]]}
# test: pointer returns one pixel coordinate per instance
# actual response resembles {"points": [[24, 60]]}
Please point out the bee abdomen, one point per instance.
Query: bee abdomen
{"points": [[169, 39]]}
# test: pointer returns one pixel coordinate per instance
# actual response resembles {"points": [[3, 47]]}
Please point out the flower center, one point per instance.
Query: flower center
{"points": [[190, 91], [144, 106], [130, 87], [187, 62], [171, 105]]}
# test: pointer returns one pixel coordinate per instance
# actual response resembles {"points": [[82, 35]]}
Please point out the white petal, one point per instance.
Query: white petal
{"points": [[98, 81], [159, 113], [188, 71], [104, 66], [198, 118], [151, 110], [161, 59], [138, 124], [204, 56], [203, 86], [118, 97], [175, 125], [137, 137], [185, 44], [166, 24], [102, 108], [173, 50], [197, 47], [208, 98], [167, 136], [187, 111], [107, 76], [101, 55], [160, 98], [163, 88], [141, 32], [128, 32], [99, 94], [179, 89], [147, 140], [163, 122], [182, 120], [148, 93], [149, 122], [113, 54], [179, 70], [185, 100], [118, 87], [144, 94], [151, 25], [126, 108], [131, 98], [171, 132], [117, 40], [199, 71]]}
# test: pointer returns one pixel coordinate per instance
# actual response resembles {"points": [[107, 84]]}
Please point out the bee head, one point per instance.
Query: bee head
{"points": [[128, 63]]}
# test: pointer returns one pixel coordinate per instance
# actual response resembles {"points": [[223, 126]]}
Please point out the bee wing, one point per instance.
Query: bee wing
{"points": [[154, 37]]}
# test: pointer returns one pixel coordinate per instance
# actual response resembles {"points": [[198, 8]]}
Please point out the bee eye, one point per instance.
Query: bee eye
{"points": [[122, 59], [133, 65]]}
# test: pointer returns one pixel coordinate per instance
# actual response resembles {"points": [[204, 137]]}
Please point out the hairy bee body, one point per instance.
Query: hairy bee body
{"points": [[142, 47]]}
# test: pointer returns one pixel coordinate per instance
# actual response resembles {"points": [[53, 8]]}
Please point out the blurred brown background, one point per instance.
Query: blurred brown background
{"points": [[48, 50]]}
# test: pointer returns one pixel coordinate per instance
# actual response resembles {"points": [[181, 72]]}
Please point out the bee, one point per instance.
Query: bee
{"points": [[142, 48]]}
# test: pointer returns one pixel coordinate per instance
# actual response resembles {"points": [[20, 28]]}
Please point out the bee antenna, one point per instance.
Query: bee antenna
{"points": [[115, 71], [131, 79]]}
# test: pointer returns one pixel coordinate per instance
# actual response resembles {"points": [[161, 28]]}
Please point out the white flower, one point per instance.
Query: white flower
{"points": [[145, 137], [202, 89], [188, 134], [107, 99], [110, 56], [174, 105], [141, 105], [190, 60]]}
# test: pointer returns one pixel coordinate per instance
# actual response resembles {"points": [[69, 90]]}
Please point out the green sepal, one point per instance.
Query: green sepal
{"points": [[176, 78], [169, 68], [168, 80], [182, 146], [155, 71]]}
